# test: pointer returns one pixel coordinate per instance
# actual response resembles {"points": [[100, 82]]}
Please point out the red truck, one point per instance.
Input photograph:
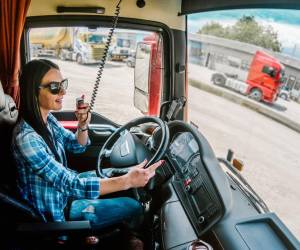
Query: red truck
{"points": [[263, 80], [264, 77]]}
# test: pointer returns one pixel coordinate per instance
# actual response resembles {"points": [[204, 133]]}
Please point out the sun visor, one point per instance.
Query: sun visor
{"points": [[194, 6]]}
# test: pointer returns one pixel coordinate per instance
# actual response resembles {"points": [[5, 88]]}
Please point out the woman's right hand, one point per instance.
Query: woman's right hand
{"points": [[139, 176]]}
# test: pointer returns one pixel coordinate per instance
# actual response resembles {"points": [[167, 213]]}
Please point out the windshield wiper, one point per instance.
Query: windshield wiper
{"points": [[245, 187]]}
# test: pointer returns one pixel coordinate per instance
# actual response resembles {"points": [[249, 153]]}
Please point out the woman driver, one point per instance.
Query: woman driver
{"points": [[39, 144]]}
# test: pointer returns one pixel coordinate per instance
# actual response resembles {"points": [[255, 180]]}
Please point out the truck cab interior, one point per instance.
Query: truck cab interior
{"points": [[195, 198]]}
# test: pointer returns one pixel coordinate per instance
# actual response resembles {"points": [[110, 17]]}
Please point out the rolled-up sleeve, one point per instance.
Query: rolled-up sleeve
{"points": [[34, 151]]}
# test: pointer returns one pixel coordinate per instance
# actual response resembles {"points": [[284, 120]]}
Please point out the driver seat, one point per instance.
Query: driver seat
{"points": [[12, 209], [18, 219]]}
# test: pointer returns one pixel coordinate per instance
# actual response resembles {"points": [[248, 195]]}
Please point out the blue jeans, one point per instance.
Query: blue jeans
{"points": [[106, 212]]}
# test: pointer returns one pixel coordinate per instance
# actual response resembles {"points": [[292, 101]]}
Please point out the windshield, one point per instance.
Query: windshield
{"points": [[81, 65], [282, 78], [123, 43], [235, 103], [95, 39]]}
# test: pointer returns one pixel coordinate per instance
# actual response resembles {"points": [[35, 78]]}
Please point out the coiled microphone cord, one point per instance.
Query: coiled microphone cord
{"points": [[105, 52]]}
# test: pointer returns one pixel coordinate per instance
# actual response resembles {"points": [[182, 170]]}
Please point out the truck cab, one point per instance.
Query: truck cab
{"points": [[264, 77], [197, 199], [120, 49]]}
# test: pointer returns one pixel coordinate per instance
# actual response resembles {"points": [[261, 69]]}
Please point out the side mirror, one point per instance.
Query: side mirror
{"points": [[141, 77], [148, 76]]}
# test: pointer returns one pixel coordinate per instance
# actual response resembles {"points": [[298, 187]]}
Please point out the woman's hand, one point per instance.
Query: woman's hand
{"points": [[83, 115], [139, 176]]}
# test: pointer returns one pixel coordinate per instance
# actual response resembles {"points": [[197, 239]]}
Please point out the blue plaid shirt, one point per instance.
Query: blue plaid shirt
{"points": [[44, 182]]}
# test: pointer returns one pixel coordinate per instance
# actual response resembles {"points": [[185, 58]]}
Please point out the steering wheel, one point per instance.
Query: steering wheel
{"points": [[124, 149]]}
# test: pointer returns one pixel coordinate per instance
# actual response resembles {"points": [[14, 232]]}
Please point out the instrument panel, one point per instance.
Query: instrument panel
{"points": [[192, 182]]}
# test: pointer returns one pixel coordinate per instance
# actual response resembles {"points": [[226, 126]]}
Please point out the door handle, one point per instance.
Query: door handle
{"points": [[102, 130]]}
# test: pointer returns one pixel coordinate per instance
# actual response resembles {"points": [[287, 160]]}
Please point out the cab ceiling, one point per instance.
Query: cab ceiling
{"points": [[163, 11]]}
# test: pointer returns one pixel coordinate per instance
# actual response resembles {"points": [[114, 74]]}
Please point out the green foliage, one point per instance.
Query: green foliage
{"points": [[247, 30], [214, 29]]}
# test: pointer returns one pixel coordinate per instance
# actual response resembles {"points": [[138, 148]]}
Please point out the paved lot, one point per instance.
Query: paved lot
{"points": [[269, 150], [115, 94]]}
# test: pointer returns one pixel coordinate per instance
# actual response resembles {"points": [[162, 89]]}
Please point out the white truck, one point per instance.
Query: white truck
{"points": [[120, 49]]}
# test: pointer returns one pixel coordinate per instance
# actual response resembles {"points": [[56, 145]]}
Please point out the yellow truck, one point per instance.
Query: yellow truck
{"points": [[68, 43]]}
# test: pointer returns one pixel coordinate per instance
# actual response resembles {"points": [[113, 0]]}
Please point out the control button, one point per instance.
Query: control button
{"points": [[185, 170], [201, 219], [188, 188], [195, 172], [187, 182]]}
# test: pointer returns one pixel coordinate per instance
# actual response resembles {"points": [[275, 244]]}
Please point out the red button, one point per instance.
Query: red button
{"points": [[187, 182]]}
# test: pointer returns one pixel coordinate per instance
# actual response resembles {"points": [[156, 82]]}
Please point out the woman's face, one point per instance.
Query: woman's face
{"points": [[47, 100]]}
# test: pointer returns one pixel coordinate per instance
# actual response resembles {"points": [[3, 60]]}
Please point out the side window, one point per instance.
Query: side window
{"points": [[78, 51], [291, 81], [220, 91], [269, 71], [297, 85]]}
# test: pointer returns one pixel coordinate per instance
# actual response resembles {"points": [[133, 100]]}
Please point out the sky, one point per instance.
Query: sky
{"points": [[285, 22]]}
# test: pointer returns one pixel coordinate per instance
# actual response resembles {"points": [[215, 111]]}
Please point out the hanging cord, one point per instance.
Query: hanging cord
{"points": [[105, 52]]}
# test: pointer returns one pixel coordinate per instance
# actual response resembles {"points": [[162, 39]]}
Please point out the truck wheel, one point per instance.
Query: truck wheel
{"points": [[129, 64], [283, 96], [62, 56], [79, 59], [256, 94], [219, 80]]}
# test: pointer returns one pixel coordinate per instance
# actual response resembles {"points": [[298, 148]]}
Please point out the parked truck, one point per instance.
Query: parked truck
{"points": [[68, 43], [120, 49], [263, 80]]}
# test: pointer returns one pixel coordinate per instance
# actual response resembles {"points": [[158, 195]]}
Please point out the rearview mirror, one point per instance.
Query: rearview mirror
{"points": [[148, 75], [141, 77]]}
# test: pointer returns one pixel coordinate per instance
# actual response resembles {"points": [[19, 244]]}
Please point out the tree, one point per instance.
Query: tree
{"points": [[214, 29], [247, 30]]}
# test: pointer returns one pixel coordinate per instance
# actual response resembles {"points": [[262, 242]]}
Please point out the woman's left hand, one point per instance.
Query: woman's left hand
{"points": [[83, 115]]}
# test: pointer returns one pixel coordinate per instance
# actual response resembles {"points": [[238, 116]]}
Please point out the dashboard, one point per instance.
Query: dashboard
{"points": [[192, 182], [202, 201]]}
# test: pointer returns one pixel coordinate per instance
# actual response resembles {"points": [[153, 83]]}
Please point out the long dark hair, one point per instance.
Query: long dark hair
{"points": [[30, 80]]}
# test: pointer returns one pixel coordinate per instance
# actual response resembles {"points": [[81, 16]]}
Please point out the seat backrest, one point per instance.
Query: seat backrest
{"points": [[12, 208], [8, 118]]}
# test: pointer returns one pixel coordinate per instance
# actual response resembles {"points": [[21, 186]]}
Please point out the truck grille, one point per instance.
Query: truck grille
{"points": [[124, 51], [97, 53]]}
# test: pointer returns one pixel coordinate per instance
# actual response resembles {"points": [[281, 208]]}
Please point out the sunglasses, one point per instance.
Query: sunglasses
{"points": [[55, 87]]}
